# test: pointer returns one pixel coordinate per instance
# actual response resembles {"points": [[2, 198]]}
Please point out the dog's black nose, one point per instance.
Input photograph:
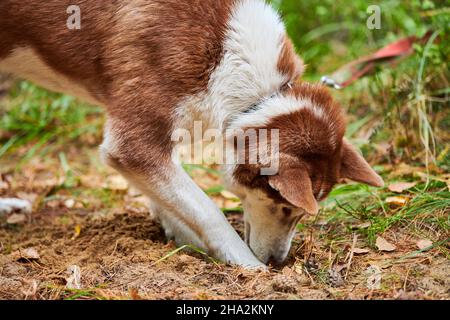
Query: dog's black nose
{"points": [[275, 261]]}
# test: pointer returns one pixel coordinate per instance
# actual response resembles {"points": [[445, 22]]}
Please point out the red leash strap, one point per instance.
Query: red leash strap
{"points": [[391, 54]]}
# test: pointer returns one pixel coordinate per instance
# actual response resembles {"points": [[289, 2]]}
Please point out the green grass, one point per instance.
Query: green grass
{"points": [[80, 294], [429, 202], [37, 119]]}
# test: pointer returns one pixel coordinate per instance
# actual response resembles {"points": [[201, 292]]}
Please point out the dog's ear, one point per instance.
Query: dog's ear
{"points": [[295, 186], [356, 168]]}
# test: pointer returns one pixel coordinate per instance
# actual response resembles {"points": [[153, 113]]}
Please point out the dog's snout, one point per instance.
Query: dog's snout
{"points": [[273, 261], [276, 260]]}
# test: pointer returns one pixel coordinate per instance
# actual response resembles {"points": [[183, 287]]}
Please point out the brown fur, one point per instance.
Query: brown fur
{"points": [[289, 63], [140, 65]]}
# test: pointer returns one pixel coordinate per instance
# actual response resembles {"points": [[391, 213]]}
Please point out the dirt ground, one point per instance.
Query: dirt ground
{"points": [[91, 237]]}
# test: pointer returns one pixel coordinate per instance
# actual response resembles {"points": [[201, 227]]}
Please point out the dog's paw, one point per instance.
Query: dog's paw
{"points": [[246, 260], [10, 205], [258, 267]]}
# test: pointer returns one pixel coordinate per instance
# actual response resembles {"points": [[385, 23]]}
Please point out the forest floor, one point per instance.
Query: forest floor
{"points": [[91, 237]]}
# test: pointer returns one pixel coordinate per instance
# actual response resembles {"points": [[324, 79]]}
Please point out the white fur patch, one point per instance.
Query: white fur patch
{"points": [[248, 70], [248, 74], [274, 107], [26, 63]]}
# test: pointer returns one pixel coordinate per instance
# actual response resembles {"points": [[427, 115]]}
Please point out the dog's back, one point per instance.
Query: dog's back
{"points": [[169, 46]]}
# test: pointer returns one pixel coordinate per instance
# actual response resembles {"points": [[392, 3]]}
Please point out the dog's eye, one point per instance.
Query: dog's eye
{"points": [[287, 211]]}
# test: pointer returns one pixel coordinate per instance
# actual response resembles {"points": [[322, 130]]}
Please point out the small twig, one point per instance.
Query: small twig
{"points": [[310, 277], [115, 248], [311, 237], [355, 238], [406, 279]]}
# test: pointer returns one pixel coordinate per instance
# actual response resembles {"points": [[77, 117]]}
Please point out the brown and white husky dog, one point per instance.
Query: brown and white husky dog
{"points": [[159, 65]]}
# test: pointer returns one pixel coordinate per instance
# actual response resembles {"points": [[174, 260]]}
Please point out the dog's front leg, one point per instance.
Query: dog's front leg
{"points": [[190, 216]]}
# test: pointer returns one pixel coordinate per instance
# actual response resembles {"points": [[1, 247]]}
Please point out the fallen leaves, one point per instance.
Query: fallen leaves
{"points": [[16, 218], [28, 254], [383, 245], [399, 187], [424, 243], [360, 251]]}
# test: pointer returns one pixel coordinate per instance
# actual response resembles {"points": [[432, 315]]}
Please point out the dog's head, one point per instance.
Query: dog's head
{"points": [[313, 156]]}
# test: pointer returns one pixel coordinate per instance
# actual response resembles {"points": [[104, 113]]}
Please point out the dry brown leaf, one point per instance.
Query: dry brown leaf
{"points": [[69, 203], [424, 243], [360, 251], [383, 245], [398, 201], [30, 254], [16, 218], [399, 187], [363, 225]]}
